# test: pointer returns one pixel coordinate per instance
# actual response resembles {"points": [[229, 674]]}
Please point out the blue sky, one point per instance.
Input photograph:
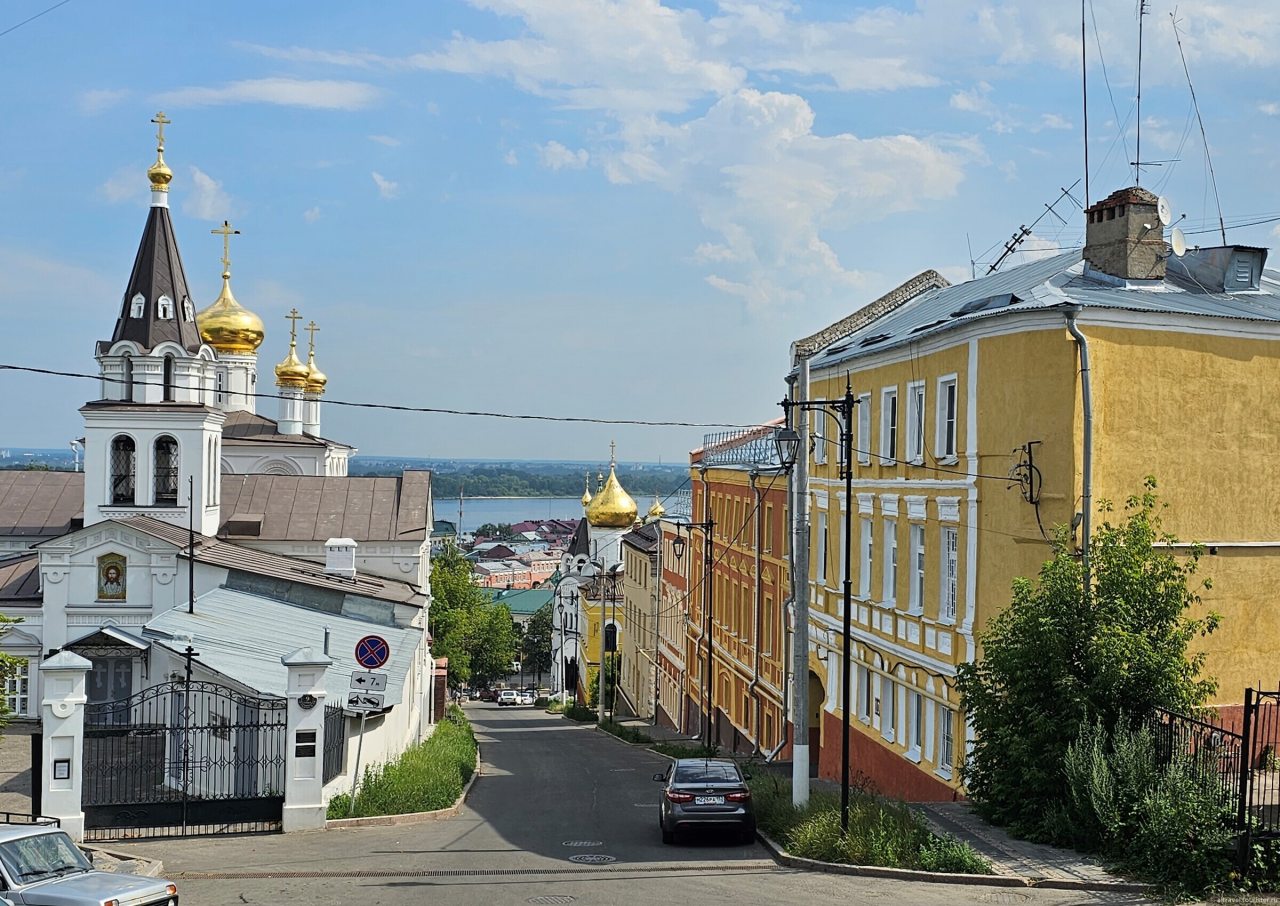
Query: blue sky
{"points": [[604, 208]]}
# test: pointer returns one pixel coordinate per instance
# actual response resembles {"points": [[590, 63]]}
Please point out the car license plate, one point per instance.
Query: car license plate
{"points": [[708, 800]]}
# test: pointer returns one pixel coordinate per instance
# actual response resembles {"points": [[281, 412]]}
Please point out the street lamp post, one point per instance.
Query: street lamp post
{"points": [[708, 599], [788, 443]]}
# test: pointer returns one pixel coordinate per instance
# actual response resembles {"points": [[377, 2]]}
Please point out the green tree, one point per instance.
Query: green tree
{"points": [[1059, 657], [9, 665], [467, 627], [535, 647]]}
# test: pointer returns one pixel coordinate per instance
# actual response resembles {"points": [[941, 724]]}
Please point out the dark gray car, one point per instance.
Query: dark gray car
{"points": [[705, 793]]}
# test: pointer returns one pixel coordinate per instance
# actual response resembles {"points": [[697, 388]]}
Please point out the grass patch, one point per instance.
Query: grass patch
{"points": [[685, 750], [427, 776], [625, 733], [882, 832], [580, 713]]}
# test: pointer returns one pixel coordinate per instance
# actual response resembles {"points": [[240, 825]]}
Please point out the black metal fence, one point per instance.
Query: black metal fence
{"points": [[184, 758], [1212, 751], [335, 741]]}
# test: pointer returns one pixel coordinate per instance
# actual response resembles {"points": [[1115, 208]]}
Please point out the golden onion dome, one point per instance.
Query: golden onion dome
{"points": [[291, 372], [316, 379], [586, 490], [229, 327], [160, 175], [657, 511], [611, 507]]}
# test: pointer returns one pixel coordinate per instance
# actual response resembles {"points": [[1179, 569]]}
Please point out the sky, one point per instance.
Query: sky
{"points": [[614, 209]]}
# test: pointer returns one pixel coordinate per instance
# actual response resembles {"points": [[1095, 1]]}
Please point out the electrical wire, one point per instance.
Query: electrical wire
{"points": [[429, 410], [33, 18]]}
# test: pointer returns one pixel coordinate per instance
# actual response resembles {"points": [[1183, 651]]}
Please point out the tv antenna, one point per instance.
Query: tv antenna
{"points": [[1143, 9], [1222, 227], [1024, 231]]}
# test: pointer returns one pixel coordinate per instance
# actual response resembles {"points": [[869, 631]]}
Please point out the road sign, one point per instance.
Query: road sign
{"points": [[368, 682], [364, 701], [372, 651]]}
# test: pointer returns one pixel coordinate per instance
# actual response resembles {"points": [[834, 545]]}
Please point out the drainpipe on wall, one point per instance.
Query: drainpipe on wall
{"points": [[1086, 490], [753, 686]]}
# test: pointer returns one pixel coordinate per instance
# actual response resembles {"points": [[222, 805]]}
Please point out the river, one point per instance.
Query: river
{"points": [[476, 511]]}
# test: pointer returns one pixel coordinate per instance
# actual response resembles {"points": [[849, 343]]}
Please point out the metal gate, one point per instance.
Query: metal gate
{"points": [[181, 759]]}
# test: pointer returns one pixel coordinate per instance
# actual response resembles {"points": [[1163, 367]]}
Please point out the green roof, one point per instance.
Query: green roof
{"points": [[521, 601]]}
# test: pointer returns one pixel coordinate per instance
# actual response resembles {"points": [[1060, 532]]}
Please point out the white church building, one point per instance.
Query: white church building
{"points": [[204, 534]]}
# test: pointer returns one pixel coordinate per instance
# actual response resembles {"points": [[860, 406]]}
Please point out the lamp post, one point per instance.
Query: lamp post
{"points": [[788, 444], [565, 613], [708, 600]]}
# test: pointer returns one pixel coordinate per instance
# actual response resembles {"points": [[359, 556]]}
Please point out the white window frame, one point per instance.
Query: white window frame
{"points": [[17, 690], [946, 740], [915, 422], [888, 426], [948, 394], [822, 547], [816, 426], [868, 558], [889, 591], [914, 723], [137, 305], [888, 706], [164, 308], [949, 580], [917, 568], [864, 429], [864, 697]]}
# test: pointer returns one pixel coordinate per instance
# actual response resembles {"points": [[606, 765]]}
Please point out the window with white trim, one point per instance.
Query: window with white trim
{"points": [[868, 555], [17, 689], [137, 305], [220, 380], [950, 574], [917, 568], [946, 445], [888, 707], [888, 425], [819, 442], [946, 739], [915, 720], [864, 697], [164, 308], [889, 594], [915, 422], [822, 546], [864, 429]]}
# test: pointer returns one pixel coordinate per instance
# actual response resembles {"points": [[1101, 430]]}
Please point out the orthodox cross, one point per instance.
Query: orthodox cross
{"points": [[188, 655], [311, 329], [612, 446], [161, 121], [293, 317], [226, 232]]}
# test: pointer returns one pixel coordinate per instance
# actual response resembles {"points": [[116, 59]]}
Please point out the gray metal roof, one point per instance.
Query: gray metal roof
{"points": [[20, 579], [1054, 282], [42, 504], [243, 636]]}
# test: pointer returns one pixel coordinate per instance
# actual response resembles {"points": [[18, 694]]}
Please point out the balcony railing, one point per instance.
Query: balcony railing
{"points": [[743, 447]]}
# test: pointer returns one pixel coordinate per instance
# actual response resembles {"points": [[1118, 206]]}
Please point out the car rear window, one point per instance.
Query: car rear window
{"points": [[707, 773]]}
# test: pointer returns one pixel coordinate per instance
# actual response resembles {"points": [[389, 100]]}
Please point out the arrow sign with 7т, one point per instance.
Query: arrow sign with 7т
{"points": [[368, 682], [372, 652]]}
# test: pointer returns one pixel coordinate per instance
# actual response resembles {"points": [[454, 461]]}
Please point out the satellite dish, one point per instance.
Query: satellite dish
{"points": [[1163, 211], [1178, 242]]}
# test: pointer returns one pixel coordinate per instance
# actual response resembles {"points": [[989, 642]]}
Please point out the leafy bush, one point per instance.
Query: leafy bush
{"points": [[882, 832], [686, 750], [580, 713], [556, 706], [541, 701], [623, 732], [427, 776]]}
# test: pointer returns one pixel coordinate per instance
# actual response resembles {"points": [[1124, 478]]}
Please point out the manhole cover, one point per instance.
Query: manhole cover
{"points": [[592, 859], [552, 898], [1004, 896], [583, 843]]}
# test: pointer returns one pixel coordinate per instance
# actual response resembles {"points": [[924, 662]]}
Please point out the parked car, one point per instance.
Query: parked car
{"points": [[527, 697], [41, 864], [488, 695], [508, 697], [705, 793]]}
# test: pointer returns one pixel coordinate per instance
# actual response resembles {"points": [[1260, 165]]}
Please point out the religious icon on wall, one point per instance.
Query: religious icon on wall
{"points": [[111, 577]]}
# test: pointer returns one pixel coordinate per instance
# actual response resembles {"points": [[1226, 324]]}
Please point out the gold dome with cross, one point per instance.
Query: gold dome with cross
{"points": [[612, 506]]}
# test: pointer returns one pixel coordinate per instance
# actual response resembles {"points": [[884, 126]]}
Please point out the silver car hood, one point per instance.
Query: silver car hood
{"points": [[94, 887]]}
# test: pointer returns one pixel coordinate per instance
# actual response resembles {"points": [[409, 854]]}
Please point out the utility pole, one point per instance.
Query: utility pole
{"points": [[800, 599]]}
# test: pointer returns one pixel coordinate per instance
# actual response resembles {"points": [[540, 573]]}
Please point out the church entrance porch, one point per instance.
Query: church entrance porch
{"points": [[183, 758]]}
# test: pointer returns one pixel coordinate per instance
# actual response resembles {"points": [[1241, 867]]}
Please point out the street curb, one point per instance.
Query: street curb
{"points": [[782, 857], [643, 745], [412, 817]]}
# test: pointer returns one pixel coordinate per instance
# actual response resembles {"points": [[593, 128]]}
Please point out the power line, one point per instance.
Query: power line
{"points": [[392, 407], [33, 18]]}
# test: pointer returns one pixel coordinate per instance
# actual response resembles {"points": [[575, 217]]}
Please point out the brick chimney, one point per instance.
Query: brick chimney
{"points": [[1123, 236]]}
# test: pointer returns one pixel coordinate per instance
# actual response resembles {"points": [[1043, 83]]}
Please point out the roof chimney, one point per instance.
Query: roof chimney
{"points": [[1124, 237], [340, 557]]}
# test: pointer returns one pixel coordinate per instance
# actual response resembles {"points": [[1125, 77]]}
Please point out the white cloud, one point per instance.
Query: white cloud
{"points": [[386, 188], [387, 140], [1270, 108], [557, 157], [1054, 121], [97, 100], [318, 94], [125, 183], [1034, 247], [510, 158], [312, 214], [206, 199]]}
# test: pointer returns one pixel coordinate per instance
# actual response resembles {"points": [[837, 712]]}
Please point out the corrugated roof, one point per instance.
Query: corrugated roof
{"points": [[243, 427], [643, 539], [239, 635], [20, 579], [1053, 282], [317, 508], [40, 503], [521, 601], [216, 552]]}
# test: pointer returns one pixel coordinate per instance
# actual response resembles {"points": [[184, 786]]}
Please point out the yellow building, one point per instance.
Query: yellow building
{"points": [[974, 405]]}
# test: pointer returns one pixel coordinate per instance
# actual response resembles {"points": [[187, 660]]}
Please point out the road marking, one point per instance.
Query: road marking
{"points": [[646, 805], [620, 770], [552, 899]]}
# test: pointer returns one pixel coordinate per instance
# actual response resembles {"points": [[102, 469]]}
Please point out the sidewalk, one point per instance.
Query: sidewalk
{"points": [[657, 733]]}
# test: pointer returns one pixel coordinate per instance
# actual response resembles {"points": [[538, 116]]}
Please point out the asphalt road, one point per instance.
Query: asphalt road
{"points": [[549, 791]]}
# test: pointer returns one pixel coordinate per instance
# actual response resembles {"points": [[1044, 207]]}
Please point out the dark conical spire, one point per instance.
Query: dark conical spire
{"points": [[581, 542]]}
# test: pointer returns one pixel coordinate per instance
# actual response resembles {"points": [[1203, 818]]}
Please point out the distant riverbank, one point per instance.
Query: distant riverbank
{"points": [[476, 511]]}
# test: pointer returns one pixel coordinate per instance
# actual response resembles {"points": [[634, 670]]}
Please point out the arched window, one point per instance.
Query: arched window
{"points": [[128, 378], [611, 637], [164, 308], [123, 463], [166, 459], [168, 379], [136, 306]]}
